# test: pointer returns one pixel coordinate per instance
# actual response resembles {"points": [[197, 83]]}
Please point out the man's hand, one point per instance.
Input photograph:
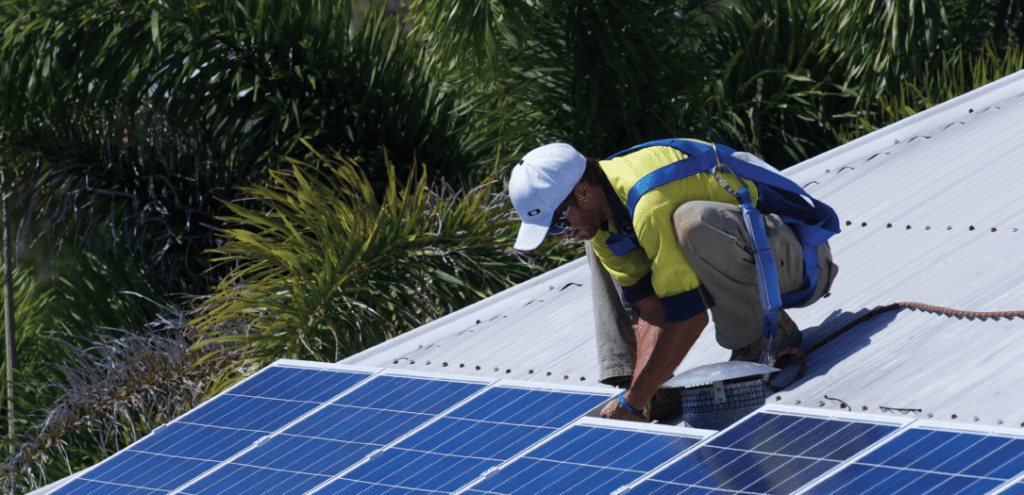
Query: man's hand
{"points": [[614, 410], [661, 346]]}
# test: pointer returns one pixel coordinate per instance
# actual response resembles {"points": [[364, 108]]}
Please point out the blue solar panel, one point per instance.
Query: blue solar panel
{"points": [[213, 432], [457, 448], [1014, 489], [766, 453], [924, 460], [585, 460], [336, 437]]}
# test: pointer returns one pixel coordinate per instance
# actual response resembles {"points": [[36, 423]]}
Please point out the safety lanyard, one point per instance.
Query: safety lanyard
{"points": [[767, 276]]}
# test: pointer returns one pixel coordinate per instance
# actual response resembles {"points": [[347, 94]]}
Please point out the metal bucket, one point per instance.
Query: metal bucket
{"points": [[717, 395]]}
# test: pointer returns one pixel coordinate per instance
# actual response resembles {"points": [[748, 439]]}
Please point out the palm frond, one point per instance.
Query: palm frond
{"points": [[326, 269]]}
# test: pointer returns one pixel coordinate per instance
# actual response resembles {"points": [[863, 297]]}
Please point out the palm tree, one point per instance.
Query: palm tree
{"points": [[601, 75]]}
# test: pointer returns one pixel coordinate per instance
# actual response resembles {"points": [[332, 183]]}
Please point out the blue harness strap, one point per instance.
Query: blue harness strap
{"points": [[812, 221]]}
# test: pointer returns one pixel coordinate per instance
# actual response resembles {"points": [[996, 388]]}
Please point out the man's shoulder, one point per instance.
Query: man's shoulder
{"points": [[625, 170]]}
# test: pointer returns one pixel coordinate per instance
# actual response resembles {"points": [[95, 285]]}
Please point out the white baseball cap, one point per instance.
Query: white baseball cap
{"points": [[539, 183]]}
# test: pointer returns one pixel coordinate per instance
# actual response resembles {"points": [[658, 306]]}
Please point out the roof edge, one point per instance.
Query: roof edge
{"points": [[867, 145], [410, 338]]}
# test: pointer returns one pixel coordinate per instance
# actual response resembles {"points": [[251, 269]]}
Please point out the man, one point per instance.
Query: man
{"points": [[663, 224]]}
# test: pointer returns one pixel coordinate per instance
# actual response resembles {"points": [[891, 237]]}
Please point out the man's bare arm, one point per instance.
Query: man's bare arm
{"points": [[661, 346]]}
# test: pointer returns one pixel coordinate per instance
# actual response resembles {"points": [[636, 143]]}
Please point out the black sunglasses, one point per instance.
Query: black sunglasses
{"points": [[561, 222]]}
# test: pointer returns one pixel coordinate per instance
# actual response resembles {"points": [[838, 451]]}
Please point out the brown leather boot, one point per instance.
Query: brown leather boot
{"points": [[789, 336]]}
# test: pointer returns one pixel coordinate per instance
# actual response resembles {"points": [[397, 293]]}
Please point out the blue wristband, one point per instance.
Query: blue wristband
{"points": [[629, 408]]}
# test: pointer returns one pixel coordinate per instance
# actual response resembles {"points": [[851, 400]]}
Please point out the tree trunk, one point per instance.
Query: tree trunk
{"points": [[8, 317]]}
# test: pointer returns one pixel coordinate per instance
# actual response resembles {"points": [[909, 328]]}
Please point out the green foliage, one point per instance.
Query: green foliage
{"points": [[132, 187], [252, 76], [323, 269], [770, 90], [878, 42], [117, 390], [956, 75], [601, 75]]}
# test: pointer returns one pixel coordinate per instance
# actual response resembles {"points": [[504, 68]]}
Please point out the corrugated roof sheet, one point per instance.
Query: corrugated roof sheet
{"points": [[931, 212]]}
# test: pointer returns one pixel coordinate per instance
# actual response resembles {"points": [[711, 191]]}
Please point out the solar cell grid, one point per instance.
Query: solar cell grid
{"points": [[768, 452], [485, 431], [585, 460], [928, 460], [1014, 489], [212, 433], [337, 436]]}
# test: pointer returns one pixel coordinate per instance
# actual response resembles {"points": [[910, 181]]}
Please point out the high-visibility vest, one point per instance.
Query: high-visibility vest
{"points": [[812, 221]]}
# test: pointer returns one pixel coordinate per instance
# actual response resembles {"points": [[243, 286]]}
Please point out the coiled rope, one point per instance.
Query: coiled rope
{"points": [[792, 356]]}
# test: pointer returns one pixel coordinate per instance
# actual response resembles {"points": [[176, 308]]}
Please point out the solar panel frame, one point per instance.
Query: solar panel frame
{"points": [[334, 401], [193, 419], [537, 455], [456, 414], [942, 477], [754, 464]]}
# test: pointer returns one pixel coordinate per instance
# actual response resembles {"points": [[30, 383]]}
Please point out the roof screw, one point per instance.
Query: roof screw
{"points": [[495, 369], [999, 422], [797, 402], [412, 362], [394, 362], [908, 227], [462, 366], [864, 408], [863, 224], [778, 397], [508, 371], [972, 228], [993, 229], [949, 227], [549, 373], [531, 372], [444, 365], [849, 222], [477, 322], [821, 403], [930, 415], [954, 416], [566, 377], [583, 378], [478, 368], [428, 363], [888, 225], [975, 419], [928, 227]]}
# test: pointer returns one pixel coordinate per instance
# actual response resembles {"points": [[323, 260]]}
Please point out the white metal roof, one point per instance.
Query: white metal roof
{"points": [[931, 212]]}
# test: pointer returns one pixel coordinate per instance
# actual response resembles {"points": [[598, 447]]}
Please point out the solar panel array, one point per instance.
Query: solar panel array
{"points": [[587, 459], [767, 453], [213, 432], [333, 438], [480, 434], [925, 460], [291, 429]]}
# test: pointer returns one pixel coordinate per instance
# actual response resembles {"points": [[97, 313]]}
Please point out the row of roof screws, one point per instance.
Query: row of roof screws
{"points": [[903, 410], [929, 227], [444, 365]]}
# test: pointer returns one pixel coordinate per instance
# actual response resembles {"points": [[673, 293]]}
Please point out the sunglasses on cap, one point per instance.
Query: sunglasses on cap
{"points": [[561, 222]]}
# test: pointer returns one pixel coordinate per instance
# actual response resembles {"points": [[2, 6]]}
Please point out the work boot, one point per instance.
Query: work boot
{"points": [[788, 336]]}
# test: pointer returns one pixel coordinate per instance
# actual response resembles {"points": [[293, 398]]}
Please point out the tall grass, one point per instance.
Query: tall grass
{"points": [[957, 74]]}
